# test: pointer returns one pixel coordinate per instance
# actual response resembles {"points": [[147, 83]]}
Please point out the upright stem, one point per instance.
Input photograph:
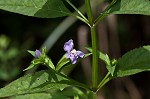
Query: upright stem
{"points": [[94, 95], [94, 46], [94, 59]]}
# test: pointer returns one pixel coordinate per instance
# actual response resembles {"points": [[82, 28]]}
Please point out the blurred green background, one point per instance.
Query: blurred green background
{"points": [[116, 35]]}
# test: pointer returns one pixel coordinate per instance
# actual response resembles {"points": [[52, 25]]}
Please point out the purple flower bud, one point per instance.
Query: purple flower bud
{"points": [[71, 53], [37, 53]]}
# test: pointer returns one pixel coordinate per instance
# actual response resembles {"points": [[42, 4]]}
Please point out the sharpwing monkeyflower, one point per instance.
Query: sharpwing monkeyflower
{"points": [[37, 53], [71, 53]]}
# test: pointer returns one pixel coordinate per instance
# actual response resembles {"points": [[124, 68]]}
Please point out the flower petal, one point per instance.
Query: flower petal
{"points": [[68, 45], [67, 55], [80, 53], [73, 58], [37, 53]]}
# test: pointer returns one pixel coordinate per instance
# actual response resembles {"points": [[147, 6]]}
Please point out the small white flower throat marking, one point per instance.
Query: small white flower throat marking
{"points": [[73, 52]]}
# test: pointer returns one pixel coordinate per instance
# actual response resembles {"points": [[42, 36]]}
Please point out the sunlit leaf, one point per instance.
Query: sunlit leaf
{"points": [[67, 93], [33, 96], [130, 7], [36, 8], [40, 82]]}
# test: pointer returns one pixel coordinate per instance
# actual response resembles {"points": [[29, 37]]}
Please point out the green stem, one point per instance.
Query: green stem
{"points": [[94, 95], [81, 19], [94, 46], [94, 59], [103, 14], [78, 11], [104, 81], [89, 12]]}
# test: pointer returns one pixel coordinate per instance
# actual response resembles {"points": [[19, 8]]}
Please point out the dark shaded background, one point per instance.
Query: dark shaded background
{"points": [[116, 35]]}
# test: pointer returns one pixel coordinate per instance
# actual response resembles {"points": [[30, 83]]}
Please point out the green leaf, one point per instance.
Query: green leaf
{"points": [[33, 96], [65, 94], [31, 52], [29, 67], [111, 68], [34, 63], [130, 7], [67, 68], [48, 62], [135, 61], [102, 56], [42, 59], [43, 51], [110, 65], [40, 82], [73, 91], [62, 62], [36, 8]]}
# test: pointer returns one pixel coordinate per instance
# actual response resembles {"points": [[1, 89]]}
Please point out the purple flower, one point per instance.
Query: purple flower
{"points": [[37, 53], [72, 53]]}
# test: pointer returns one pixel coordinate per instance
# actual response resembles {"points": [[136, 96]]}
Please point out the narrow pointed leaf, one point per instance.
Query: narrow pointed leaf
{"points": [[31, 52], [130, 7], [62, 62], [30, 67], [135, 61], [36, 8], [34, 63]]}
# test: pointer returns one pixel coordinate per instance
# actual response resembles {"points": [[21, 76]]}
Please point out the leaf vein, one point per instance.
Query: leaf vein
{"points": [[34, 3]]}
